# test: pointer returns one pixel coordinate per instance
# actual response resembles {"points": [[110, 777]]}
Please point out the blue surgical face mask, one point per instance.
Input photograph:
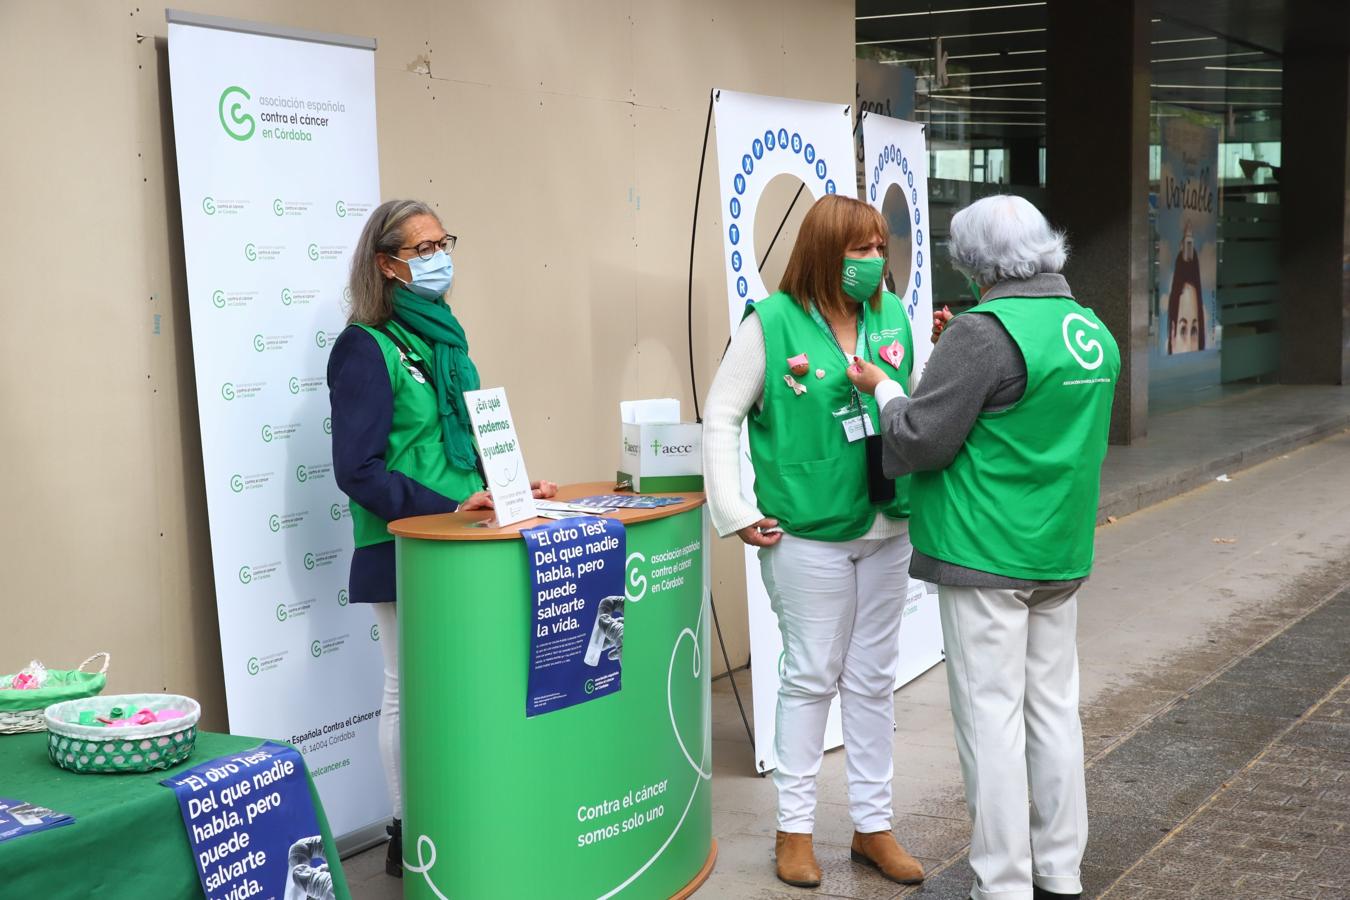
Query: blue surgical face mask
{"points": [[431, 278]]}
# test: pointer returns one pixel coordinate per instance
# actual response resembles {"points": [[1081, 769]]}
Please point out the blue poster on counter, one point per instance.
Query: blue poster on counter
{"points": [[576, 633], [251, 824]]}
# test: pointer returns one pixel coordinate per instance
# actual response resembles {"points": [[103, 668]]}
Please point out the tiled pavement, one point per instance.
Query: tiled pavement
{"points": [[1279, 828], [1212, 624]]}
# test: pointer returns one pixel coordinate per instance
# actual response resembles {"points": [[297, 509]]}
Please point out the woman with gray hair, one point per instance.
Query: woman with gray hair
{"points": [[1005, 435], [402, 443]]}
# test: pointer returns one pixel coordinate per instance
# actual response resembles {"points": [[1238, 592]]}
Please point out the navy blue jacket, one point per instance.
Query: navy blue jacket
{"points": [[363, 412]]}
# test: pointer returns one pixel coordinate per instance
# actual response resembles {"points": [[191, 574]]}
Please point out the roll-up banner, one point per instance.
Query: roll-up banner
{"points": [[758, 138], [277, 172], [895, 181]]}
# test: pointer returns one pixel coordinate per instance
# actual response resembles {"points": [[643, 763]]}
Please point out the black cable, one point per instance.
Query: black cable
{"points": [[731, 675], [693, 235], [693, 383], [765, 258]]}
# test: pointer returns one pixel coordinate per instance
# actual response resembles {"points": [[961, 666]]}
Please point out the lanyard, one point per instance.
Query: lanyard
{"points": [[856, 400]]}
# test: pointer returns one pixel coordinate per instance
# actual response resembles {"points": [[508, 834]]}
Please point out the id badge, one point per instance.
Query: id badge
{"points": [[856, 428]]}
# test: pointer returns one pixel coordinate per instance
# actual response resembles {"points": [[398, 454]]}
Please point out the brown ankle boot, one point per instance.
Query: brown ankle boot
{"points": [[796, 860], [881, 850]]}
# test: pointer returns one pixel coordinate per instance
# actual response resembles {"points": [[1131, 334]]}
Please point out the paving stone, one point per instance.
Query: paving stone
{"points": [[1263, 836]]}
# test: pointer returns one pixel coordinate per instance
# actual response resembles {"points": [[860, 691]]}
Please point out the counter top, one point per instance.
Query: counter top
{"points": [[467, 526]]}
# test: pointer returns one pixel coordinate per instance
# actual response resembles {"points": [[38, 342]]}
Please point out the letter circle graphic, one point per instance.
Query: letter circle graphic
{"points": [[1087, 346], [637, 582], [238, 125]]}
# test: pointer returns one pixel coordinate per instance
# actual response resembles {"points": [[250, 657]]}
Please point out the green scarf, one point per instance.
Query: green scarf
{"points": [[453, 371]]}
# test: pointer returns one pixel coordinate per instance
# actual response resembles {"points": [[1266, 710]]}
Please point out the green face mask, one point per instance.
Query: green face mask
{"points": [[863, 276]]}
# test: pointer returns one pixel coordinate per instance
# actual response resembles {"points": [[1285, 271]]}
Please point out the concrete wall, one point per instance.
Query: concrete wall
{"points": [[559, 140]]}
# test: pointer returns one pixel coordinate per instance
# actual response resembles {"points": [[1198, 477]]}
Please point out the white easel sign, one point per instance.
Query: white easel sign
{"points": [[494, 433]]}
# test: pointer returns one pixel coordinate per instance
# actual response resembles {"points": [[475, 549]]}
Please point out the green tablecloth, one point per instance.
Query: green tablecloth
{"points": [[128, 838]]}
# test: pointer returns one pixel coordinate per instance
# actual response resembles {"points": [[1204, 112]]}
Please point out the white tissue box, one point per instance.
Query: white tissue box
{"points": [[660, 457]]}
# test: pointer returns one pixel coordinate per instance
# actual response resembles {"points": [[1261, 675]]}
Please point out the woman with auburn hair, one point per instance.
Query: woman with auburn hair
{"points": [[402, 442], [831, 530]]}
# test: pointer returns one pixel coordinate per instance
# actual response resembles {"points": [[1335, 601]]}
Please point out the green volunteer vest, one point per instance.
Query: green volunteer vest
{"points": [[416, 447], [808, 475], [1020, 499]]}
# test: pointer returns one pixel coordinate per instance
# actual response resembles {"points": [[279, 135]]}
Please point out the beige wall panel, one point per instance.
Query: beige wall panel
{"points": [[560, 142], [73, 359]]}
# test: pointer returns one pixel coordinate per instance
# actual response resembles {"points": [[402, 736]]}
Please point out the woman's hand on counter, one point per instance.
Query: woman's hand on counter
{"points": [[479, 500], [544, 490]]}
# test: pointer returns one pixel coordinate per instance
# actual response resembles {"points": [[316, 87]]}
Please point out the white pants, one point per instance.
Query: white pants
{"points": [[391, 746], [838, 608], [1012, 669]]}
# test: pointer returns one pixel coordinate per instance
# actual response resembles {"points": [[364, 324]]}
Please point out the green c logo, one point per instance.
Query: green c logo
{"points": [[342, 597], [336, 512], [374, 632], [253, 665], [341, 209], [274, 522], [281, 612], [315, 649], [227, 391], [250, 252], [245, 575], [590, 686], [300, 473], [286, 296], [218, 299], [208, 206], [258, 343], [320, 339], [327, 424], [278, 207], [267, 434], [236, 483], [237, 119], [309, 561], [347, 294], [295, 385], [313, 251]]}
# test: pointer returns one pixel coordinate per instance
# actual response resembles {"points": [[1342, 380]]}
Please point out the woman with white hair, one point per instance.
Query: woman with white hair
{"points": [[1005, 435]]}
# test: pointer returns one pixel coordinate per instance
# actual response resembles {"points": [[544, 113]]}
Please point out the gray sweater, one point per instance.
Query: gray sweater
{"points": [[976, 367]]}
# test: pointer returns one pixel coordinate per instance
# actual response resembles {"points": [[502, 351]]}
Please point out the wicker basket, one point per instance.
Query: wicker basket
{"points": [[18, 717], [129, 748]]}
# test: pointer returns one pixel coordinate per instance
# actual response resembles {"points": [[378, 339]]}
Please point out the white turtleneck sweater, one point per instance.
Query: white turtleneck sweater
{"points": [[738, 387]]}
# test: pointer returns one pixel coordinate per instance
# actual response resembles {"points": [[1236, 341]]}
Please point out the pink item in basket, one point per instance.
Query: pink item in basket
{"points": [[145, 717], [30, 678]]}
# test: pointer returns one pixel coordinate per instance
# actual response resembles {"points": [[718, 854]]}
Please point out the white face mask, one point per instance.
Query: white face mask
{"points": [[431, 278]]}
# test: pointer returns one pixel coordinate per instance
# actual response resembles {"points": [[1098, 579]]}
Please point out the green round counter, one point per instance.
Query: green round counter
{"points": [[609, 798]]}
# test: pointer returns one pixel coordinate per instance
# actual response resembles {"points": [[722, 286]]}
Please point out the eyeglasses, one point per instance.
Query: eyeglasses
{"points": [[427, 249]]}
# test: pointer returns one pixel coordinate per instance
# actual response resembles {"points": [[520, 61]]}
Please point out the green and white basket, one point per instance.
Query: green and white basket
{"points": [[129, 748], [22, 711]]}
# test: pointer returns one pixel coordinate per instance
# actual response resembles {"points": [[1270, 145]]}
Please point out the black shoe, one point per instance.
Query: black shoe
{"points": [[1040, 893], [393, 860]]}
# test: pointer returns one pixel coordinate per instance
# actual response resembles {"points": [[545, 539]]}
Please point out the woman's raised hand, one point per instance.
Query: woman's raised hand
{"points": [[940, 319]]}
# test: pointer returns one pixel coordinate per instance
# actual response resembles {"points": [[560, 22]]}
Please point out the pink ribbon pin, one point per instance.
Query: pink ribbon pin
{"points": [[893, 353]]}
